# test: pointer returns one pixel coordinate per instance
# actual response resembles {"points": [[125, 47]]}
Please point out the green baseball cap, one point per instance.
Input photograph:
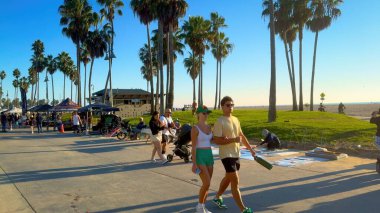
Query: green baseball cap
{"points": [[203, 109]]}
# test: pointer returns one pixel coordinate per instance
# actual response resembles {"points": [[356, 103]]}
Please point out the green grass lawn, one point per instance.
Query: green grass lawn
{"points": [[313, 128]]}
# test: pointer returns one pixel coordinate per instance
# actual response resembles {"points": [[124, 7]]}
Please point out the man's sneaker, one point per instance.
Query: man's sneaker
{"points": [[247, 210], [219, 202]]}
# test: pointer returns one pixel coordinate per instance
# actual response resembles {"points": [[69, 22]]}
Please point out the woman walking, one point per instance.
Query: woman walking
{"points": [[156, 126], [203, 161]]}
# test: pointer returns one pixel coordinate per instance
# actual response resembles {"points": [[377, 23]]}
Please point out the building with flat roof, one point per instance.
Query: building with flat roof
{"points": [[132, 102]]}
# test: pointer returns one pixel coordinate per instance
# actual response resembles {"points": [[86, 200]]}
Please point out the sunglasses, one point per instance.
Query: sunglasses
{"points": [[204, 113], [229, 105], [168, 112]]}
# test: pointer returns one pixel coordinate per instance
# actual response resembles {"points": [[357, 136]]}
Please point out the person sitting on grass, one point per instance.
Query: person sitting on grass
{"points": [[271, 140]]}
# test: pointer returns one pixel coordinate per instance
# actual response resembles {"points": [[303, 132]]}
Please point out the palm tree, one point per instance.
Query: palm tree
{"points": [[197, 34], [272, 94], [148, 73], [301, 15], [16, 74], [96, 45], [85, 58], [3, 74], [176, 10], [32, 78], [217, 22], [221, 50], [38, 63], [192, 65], [52, 66], [143, 9], [15, 85], [77, 18], [62, 63], [284, 23], [323, 12], [109, 10]]}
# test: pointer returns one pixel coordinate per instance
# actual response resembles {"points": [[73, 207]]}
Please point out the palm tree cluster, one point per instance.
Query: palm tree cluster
{"points": [[198, 33], [290, 19]]}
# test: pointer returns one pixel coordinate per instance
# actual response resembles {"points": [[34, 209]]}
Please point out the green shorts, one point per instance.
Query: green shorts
{"points": [[204, 157]]}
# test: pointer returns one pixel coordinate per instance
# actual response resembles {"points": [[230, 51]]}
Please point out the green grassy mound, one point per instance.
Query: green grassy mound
{"points": [[313, 128]]}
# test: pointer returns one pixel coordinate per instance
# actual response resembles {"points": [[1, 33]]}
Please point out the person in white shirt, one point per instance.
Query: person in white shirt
{"points": [[76, 122], [167, 135]]}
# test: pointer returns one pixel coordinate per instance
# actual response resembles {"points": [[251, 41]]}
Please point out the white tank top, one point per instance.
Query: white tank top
{"points": [[204, 140]]}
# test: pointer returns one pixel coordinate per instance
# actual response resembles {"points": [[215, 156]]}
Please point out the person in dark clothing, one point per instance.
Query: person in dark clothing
{"points": [[39, 122], [3, 122], [156, 126], [375, 119], [272, 141]]}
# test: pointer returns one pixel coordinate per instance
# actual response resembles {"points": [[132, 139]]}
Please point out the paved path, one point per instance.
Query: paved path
{"points": [[52, 172]]}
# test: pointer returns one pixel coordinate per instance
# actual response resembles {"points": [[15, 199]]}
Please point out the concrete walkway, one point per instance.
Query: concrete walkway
{"points": [[53, 172]]}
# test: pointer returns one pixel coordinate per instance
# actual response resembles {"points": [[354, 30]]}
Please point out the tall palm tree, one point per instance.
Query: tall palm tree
{"points": [[284, 23], [323, 12], [62, 64], [111, 7], [302, 14], [192, 65], [52, 66], [76, 17], [147, 70], [221, 50], [272, 94], [197, 35], [85, 58], [3, 74], [144, 9], [96, 45], [32, 78], [24, 86], [176, 9], [217, 22], [38, 63], [15, 85], [16, 74]]}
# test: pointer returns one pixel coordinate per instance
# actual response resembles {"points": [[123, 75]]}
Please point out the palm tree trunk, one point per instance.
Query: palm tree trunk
{"points": [[313, 72], [106, 87], [216, 87], [79, 80], [272, 93], [201, 85], [64, 86], [85, 84], [300, 69], [151, 95], [31, 94], [89, 82], [111, 92], [37, 92], [71, 90], [151, 71], [220, 82], [293, 72], [52, 88], [171, 60], [47, 88], [290, 75], [167, 71], [194, 95], [161, 60]]}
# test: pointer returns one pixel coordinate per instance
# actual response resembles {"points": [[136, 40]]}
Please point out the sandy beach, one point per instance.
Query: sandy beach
{"points": [[360, 111]]}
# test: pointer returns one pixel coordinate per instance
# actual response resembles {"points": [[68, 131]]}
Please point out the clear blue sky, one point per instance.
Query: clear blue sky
{"points": [[348, 65]]}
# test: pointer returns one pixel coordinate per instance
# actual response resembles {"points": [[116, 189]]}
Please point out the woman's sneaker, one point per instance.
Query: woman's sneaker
{"points": [[201, 209], [219, 202], [247, 210]]}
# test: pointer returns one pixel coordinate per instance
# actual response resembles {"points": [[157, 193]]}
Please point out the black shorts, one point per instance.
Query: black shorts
{"points": [[231, 164]]}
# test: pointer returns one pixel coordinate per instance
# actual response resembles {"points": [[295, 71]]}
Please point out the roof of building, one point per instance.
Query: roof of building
{"points": [[123, 92]]}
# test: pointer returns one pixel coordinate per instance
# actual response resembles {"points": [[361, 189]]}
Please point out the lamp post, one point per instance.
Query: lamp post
{"points": [[109, 58]]}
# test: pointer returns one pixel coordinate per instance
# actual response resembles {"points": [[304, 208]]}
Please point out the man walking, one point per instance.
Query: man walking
{"points": [[228, 135], [3, 122], [39, 122]]}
